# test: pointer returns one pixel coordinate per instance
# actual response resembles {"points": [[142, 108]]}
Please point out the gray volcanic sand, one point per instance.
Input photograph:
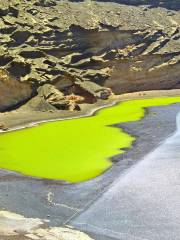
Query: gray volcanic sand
{"points": [[143, 203], [60, 203]]}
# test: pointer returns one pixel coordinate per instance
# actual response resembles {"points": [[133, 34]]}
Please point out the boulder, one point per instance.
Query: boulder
{"points": [[13, 92], [16, 226], [3, 127], [95, 90], [57, 99], [45, 3], [48, 91]]}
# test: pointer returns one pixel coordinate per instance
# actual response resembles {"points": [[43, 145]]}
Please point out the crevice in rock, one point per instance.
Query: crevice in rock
{"points": [[19, 69]]}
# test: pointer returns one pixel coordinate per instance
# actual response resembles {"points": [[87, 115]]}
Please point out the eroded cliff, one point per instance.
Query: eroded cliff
{"points": [[60, 54]]}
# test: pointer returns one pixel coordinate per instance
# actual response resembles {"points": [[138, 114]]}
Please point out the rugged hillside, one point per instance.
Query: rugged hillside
{"points": [[60, 54]]}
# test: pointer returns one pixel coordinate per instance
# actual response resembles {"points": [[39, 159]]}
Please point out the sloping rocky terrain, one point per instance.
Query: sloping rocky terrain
{"points": [[58, 54]]}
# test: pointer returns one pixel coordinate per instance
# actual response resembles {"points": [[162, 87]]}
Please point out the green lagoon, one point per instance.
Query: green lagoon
{"points": [[73, 150]]}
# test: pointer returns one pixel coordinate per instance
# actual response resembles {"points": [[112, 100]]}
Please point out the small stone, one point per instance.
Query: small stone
{"points": [[32, 236]]}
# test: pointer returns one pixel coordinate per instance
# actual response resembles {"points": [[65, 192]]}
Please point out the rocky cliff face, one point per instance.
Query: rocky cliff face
{"points": [[76, 51]]}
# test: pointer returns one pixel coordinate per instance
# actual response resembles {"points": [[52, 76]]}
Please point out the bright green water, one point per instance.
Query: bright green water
{"points": [[73, 150]]}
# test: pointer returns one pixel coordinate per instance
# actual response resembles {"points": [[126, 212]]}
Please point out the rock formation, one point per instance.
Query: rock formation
{"points": [[15, 226], [82, 51]]}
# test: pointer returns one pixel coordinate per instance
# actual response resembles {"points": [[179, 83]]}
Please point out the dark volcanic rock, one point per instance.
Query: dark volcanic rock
{"points": [[126, 46]]}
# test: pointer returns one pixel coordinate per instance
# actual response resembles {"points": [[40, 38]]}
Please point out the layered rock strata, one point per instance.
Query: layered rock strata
{"points": [[85, 51]]}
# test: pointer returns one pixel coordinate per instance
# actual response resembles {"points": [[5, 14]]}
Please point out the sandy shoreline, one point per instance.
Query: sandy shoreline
{"points": [[23, 117]]}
